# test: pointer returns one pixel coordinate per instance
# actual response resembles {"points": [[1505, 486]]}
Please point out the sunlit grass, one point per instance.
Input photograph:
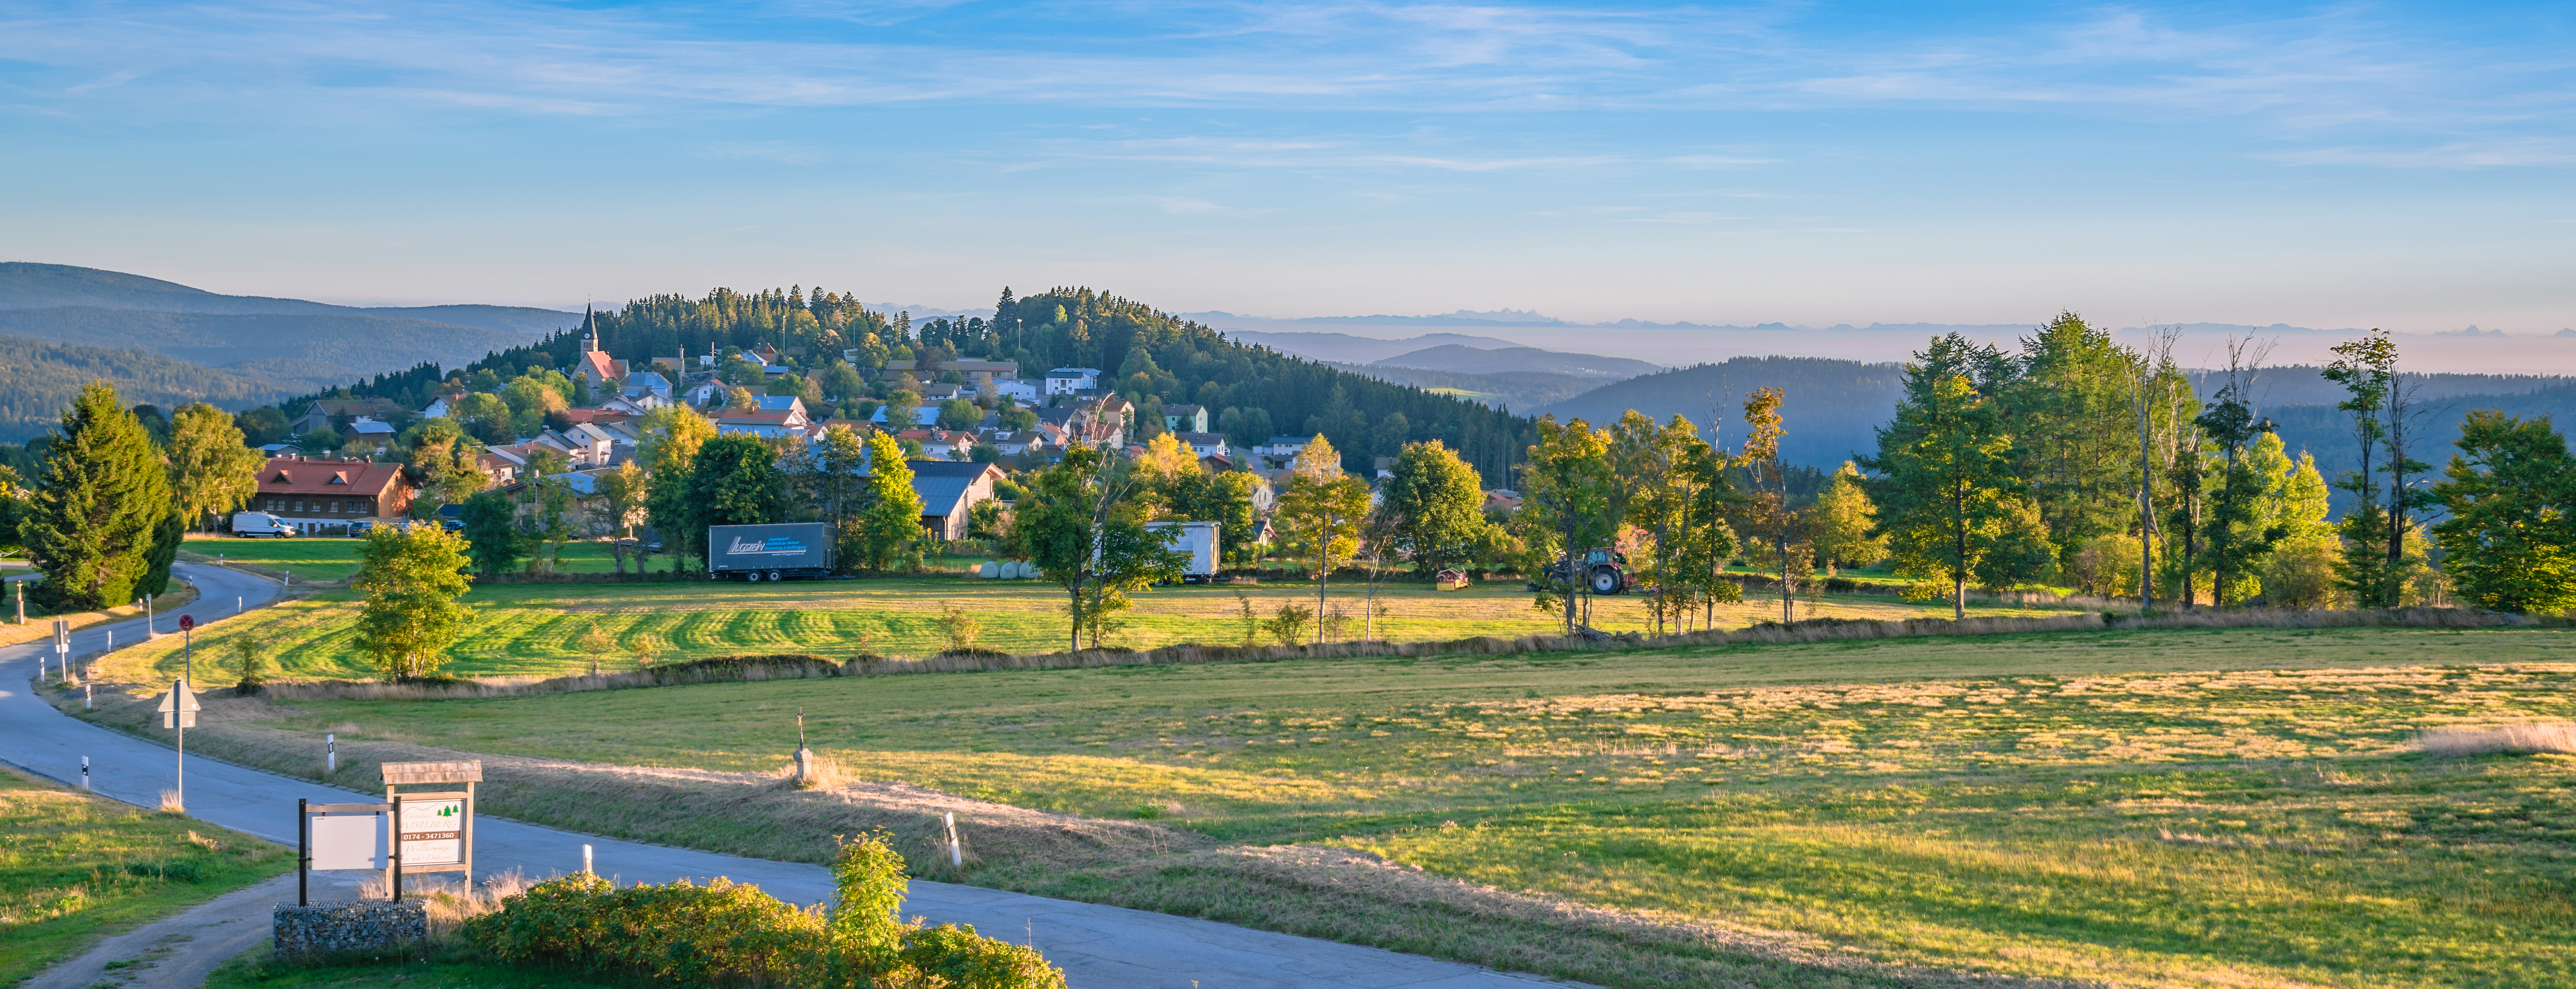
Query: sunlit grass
{"points": [[74, 868], [535, 629], [2173, 807]]}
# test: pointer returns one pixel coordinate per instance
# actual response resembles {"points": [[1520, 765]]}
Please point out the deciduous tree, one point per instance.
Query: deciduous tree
{"points": [[411, 581], [211, 472]]}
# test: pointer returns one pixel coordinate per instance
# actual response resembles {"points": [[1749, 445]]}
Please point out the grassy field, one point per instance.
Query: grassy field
{"points": [[2240, 807], [74, 868], [534, 629], [323, 559]]}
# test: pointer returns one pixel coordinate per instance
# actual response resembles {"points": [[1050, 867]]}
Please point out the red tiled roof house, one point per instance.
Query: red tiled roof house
{"points": [[321, 495]]}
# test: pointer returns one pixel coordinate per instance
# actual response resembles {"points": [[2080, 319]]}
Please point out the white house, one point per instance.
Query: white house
{"points": [[1022, 392], [1069, 380], [1205, 444], [922, 415]]}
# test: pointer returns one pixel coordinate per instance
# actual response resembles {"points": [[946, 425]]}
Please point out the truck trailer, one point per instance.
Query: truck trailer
{"points": [[1198, 539], [770, 552]]}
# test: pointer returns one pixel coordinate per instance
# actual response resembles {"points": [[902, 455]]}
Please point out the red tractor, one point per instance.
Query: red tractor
{"points": [[1604, 571]]}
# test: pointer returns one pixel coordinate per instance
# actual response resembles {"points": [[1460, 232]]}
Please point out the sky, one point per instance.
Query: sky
{"points": [[2336, 165]]}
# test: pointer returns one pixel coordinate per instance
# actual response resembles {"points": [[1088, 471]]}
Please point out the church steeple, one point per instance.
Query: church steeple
{"points": [[589, 330]]}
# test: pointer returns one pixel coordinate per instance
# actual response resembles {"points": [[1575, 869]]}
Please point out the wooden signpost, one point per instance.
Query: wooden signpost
{"points": [[433, 829]]}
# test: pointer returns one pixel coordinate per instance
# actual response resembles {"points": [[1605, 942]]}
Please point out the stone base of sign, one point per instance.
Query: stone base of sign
{"points": [[349, 928]]}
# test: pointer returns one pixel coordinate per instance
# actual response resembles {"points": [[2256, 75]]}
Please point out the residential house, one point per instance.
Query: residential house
{"points": [[643, 385], [1185, 418], [1504, 498], [583, 445], [979, 375], [761, 423], [1072, 380], [623, 405], [317, 496], [923, 416], [438, 407], [504, 464], [1022, 392], [1205, 444], [950, 490], [1281, 451], [275, 450], [368, 434], [1012, 443], [326, 409], [941, 444]]}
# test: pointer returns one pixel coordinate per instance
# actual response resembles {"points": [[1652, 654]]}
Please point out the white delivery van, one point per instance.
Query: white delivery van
{"points": [[250, 524]]}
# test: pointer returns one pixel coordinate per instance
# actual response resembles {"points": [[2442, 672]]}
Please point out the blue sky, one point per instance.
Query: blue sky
{"points": [[2333, 165]]}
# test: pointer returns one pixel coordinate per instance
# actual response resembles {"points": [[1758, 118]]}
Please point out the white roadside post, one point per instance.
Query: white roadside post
{"points": [[179, 710], [85, 788], [330, 754], [956, 857], [585, 861]]}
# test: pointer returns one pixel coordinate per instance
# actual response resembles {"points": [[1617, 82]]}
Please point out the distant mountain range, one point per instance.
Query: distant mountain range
{"points": [[291, 345], [1472, 360]]}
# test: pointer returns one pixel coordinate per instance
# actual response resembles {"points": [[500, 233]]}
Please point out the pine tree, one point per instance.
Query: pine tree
{"points": [[99, 504]]}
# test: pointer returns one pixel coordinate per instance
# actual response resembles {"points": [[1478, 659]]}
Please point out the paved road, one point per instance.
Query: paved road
{"points": [[1100, 947]]}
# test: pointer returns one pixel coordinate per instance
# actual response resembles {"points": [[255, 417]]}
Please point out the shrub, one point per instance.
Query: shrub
{"points": [[727, 933], [1290, 623], [2299, 574]]}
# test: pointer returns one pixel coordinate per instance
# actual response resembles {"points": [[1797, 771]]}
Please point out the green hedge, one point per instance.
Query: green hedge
{"points": [[732, 934]]}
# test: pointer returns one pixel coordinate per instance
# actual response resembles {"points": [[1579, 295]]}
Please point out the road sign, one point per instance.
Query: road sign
{"points": [[179, 707], [187, 622]]}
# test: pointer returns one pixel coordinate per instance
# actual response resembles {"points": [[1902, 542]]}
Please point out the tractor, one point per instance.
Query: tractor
{"points": [[1605, 571]]}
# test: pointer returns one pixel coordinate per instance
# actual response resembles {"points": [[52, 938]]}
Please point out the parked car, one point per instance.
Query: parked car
{"points": [[252, 525]]}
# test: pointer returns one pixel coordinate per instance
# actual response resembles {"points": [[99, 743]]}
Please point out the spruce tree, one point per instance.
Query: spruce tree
{"points": [[104, 492]]}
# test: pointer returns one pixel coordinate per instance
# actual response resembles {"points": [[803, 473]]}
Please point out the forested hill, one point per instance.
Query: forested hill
{"points": [[29, 285], [310, 350], [38, 380], [1153, 357], [1831, 408]]}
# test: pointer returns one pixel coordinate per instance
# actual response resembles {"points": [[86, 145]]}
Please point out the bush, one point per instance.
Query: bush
{"points": [[728, 933]]}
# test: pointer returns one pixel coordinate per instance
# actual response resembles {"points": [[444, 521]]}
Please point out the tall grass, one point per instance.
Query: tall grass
{"points": [[2524, 739]]}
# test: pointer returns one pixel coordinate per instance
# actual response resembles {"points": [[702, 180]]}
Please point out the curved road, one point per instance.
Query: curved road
{"points": [[1100, 947]]}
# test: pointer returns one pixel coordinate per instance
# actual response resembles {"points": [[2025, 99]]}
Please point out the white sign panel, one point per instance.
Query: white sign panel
{"points": [[348, 841], [433, 832]]}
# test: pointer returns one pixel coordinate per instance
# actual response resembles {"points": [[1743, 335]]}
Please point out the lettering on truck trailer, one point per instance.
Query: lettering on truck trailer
{"points": [[771, 546]]}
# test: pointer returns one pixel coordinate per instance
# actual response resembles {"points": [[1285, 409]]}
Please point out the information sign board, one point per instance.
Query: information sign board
{"points": [[433, 830], [348, 841]]}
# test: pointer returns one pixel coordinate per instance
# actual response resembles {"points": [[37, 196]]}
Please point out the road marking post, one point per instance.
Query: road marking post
{"points": [[330, 754], [956, 857], [585, 861], [85, 787]]}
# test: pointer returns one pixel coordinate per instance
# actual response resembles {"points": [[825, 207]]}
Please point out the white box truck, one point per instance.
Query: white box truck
{"points": [[1198, 539], [249, 525]]}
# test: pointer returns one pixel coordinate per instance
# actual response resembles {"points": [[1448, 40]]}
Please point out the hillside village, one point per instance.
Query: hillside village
{"points": [[965, 429]]}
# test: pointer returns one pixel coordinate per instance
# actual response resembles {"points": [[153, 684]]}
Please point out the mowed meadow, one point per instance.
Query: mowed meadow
{"points": [[2171, 807], [540, 629]]}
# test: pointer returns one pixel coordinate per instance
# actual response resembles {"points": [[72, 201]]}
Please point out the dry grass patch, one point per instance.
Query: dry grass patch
{"points": [[2524, 739]]}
